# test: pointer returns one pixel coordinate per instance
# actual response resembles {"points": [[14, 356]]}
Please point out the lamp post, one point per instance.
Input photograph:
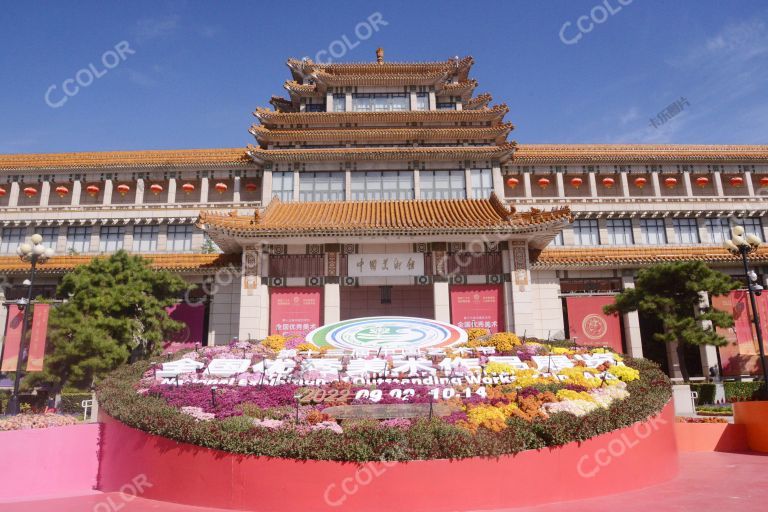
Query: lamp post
{"points": [[33, 253], [741, 244]]}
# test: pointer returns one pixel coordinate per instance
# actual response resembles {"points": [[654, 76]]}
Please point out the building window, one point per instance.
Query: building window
{"points": [[443, 184], [78, 239], [752, 226], [686, 231], [448, 105], [321, 186], [377, 185], [654, 232], [314, 107], [145, 238], [586, 232], [339, 102], [558, 240], [111, 238], [422, 101], [11, 238], [50, 235], [482, 183], [620, 232], [719, 230], [282, 185], [379, 101], [179, 238]]}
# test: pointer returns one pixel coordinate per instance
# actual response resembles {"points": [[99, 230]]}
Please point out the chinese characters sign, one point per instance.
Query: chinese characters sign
{"points": [[386, 265], [295, 311], [477, 306]]}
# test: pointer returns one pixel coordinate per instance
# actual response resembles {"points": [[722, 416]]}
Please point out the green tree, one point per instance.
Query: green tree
{"points": [[114, 312], [671, 292]]}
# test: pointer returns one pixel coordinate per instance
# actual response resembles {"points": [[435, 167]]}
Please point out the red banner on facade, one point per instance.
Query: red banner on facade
{"points": [[38, 335], [590, 326], [12, 338], [477, 306], [193, 318], [295, 311], [741, 355]]}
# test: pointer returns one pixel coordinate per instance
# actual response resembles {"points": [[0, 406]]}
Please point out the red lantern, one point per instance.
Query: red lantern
{"points": [[30, 191], [188, 188], [763, 183], [670, 182], [543, 182], [123, 189], [62, 191], [92, 190], [3, 191], [221, 187], [640, 182], [251, 187], [576, 182], [512, 182], [155, 188], [702, 181], [609, 182], [736, 181]]}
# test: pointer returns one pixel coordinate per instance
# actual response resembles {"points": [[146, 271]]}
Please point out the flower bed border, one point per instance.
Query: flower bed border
{"points": [[633, 457]]}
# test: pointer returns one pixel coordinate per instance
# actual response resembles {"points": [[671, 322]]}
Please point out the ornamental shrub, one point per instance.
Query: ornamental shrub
{"points": [[705, 391], [738, 391]]}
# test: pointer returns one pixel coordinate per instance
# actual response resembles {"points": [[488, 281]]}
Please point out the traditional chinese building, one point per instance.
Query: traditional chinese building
{"points": [[386, 188]]}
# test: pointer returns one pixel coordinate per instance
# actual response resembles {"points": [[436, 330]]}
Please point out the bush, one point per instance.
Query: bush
{"points": [[365, 441], [743, 391], [705, 391]]}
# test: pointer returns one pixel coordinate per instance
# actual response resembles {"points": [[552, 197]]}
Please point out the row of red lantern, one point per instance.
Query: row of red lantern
{"points": [[123, 189], [640, 182]]}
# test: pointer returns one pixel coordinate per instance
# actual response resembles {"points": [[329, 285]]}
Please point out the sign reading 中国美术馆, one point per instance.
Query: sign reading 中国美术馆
{"points": [[385, 265]]}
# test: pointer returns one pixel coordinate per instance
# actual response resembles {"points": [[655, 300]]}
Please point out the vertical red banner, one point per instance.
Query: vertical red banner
{"points": [[295, 311], [38, 335], [477, 306], [12, 338], [193, 318], [741, 355], [590, 326]]}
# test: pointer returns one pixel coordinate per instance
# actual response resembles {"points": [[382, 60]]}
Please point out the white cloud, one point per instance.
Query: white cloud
{"points": [[148, 29]]}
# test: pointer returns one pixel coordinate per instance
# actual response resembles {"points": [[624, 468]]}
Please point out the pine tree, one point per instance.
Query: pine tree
{"points": [[114, 312], [671, 292]]}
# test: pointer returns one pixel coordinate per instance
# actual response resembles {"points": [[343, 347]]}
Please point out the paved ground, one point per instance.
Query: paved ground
{"points": [[713, 481]]}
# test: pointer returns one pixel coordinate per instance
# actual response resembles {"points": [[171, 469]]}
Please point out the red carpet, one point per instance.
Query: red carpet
{"points": [[707, 481]]}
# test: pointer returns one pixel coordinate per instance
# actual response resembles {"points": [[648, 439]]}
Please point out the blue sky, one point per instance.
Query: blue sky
{"points": [[198, 69]]}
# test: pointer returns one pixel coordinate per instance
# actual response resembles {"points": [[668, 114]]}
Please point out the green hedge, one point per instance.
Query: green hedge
{"points": [[426, 439], [71, 402], [742, 391], [706, 393]]}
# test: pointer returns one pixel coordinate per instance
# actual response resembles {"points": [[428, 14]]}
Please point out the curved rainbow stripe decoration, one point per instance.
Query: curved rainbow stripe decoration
{"points": [[389, 332]]}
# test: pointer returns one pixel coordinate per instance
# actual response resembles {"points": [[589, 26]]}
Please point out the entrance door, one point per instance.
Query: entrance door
{"points": [[415, 301]]}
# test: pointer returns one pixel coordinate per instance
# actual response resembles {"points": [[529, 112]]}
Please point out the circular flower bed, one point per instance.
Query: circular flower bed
{"points": [[495, 395]]}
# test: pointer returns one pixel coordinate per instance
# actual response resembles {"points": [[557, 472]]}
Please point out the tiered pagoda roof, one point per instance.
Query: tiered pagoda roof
{"points": [[371, 218], [501, 153]]}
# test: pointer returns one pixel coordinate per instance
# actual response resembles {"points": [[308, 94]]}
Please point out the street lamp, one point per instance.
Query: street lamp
{"points": [[33, 253], [741, 244]]}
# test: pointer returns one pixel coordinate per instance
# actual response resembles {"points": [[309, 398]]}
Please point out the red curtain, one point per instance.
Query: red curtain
{"points": [[478, 306], [295, 311], [590, 326]]}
